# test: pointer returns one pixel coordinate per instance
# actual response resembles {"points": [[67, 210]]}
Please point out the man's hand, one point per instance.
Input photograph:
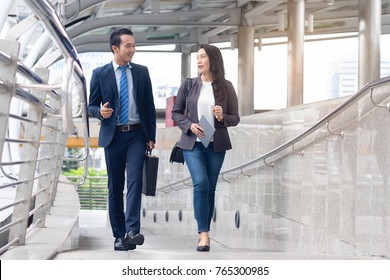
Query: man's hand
{"points": [[105, 112], [150, 145]]}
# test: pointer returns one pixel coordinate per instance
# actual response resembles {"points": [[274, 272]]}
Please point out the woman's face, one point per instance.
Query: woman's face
{"points": [[203, 62]]}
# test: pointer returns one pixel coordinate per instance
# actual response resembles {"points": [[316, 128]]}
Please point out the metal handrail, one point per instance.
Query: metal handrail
{"points": [[326, 119], [12, 184], [27, 96], [28, 73], [5, 57], [47, 14], [54, 112]]}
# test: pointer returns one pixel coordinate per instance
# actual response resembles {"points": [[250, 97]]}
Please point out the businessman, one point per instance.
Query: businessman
{"points": [[121, 97]]}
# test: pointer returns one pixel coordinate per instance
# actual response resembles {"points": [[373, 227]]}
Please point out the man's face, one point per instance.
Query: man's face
{"points": [[126, 50]]}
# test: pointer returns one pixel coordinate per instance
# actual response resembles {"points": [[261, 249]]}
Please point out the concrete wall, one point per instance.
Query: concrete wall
{"points": [[328, 195]]}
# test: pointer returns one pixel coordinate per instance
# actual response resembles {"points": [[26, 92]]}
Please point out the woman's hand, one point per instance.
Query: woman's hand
{"points": [[197, 130], [218, 112]]}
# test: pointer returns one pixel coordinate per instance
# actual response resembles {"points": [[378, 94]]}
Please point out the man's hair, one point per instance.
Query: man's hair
{"points": [[115, 37]]}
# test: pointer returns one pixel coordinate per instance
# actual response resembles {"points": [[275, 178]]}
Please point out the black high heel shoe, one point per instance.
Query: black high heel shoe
{"points": [[203, 248]]}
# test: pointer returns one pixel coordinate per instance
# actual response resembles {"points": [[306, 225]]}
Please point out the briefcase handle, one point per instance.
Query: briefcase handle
{"points": [[148, 153]]}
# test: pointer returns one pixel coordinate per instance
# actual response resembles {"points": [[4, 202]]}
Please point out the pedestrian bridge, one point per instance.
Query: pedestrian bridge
{"points": [[306, 182]]}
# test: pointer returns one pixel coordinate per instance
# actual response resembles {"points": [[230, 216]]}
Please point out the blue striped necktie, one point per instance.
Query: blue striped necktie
{"points": [[124, 97]]}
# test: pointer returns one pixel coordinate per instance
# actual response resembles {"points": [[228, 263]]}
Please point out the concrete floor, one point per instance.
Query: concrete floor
{"points": [[161, 243], [173, 250]]}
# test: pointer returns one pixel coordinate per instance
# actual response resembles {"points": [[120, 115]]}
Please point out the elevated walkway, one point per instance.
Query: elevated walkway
{"points": [[61, 231], [294, 187], [163, 241], [326, 197], [309, 181]]}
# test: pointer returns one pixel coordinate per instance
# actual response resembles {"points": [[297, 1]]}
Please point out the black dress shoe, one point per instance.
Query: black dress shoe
{"points": [[119, 244], [133, 238], [130, 246]]}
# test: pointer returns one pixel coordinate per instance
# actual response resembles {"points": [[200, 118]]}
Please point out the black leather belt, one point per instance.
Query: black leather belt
{"points": [[128, 127]]}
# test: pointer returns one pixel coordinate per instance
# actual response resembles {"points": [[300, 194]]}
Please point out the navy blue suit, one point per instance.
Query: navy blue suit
{"points": [[124, 151]]}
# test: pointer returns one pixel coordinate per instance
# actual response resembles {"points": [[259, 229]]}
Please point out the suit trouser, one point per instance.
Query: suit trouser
{"points": [[125, 155]]}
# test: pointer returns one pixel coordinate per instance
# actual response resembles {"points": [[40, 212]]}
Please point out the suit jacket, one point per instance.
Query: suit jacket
{"points": [[184, 120], [103, 88]]}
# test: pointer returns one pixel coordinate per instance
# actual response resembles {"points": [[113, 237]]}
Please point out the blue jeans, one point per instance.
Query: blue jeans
{"points": [[204, 166]]}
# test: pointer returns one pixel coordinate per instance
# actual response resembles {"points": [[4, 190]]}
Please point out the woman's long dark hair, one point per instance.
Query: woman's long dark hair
{"points": [[217, 69]]}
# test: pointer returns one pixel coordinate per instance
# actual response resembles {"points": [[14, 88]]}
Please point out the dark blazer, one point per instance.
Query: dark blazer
{"points": [[104, 89], [230, 113]]}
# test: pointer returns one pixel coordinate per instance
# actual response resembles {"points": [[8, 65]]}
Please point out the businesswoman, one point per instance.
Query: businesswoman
{"points": [[214, 97]]}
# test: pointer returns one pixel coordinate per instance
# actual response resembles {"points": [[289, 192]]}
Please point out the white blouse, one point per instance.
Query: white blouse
{"points": [[206, 102]]}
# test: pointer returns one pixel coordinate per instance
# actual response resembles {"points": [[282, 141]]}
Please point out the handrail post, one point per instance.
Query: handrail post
{"points": [[27, 169], [46, 166], [7, 84], [90, 194]]}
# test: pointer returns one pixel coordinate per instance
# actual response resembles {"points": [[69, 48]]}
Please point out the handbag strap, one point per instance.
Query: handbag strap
{"points": [[187, 89], [188, 86]]}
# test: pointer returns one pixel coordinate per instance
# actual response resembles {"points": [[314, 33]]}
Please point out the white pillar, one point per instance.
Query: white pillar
{"points": [[295, 46], [245, 89], [6, 6], [185, 63], [369, 40]]}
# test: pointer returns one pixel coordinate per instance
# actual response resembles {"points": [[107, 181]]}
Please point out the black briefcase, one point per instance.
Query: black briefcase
{"points": [[149, 176]]}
